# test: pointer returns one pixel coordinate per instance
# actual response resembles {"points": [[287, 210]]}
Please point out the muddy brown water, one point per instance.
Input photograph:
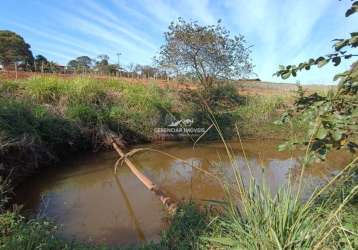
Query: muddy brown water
{"points": [[94, 205]]}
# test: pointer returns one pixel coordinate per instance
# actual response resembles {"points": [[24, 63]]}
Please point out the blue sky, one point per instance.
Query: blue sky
{"points": [[281, 31]]}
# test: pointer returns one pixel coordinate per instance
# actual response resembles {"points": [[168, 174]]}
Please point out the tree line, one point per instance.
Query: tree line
{"points": [[206, 54], [15, 54]]}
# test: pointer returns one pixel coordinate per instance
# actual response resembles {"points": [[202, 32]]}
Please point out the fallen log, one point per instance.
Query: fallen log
{"points": [[168, 202]]}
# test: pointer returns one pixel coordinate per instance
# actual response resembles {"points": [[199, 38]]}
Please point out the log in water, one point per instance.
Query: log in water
{"points": [[95, 205]]}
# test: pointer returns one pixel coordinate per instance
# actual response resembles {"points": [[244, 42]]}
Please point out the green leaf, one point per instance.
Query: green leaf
{"points": [[355, 112], [224, 241], [286, 75], [321, 58], [336, 60], [322, 63], [353, 41], [322, 133], [293, 73], [352, 10], [337, 135], [340, 45], [284, 146]]}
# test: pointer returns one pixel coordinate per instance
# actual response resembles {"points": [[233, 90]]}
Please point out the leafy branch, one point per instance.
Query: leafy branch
{"points": [[333, 118]]}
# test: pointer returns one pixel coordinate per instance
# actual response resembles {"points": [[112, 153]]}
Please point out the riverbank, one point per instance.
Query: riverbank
{"points": [[69, 194], [46, 119]]}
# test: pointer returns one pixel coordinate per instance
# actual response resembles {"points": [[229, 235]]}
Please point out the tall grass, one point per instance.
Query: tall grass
{"points": [[46, 118], [258, 114], [43, 116], [263, 221], [283, 220]]}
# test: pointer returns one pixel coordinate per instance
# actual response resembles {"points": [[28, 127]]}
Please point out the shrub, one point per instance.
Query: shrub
{"points": [[87, 115], [187, 225], [46, 89], [213, 104]]}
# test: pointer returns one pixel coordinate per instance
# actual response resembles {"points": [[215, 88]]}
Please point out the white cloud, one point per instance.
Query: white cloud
{"points": [[163, 12], [79, 46], [112, 41], [280, 29], [111, 21], [281, 32], [200, 10]]}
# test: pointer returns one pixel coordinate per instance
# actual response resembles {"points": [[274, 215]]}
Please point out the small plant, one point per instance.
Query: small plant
{"points": [[185, 229]]}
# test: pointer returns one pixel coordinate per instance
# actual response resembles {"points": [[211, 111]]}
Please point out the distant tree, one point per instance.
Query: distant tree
{"points": [[73, 65], [40, 63], [53, 67], [103, 59], [80, 64], [149, 71], [84, 62], [14, 49], [207, 52], [112, 69], [102, 64]]}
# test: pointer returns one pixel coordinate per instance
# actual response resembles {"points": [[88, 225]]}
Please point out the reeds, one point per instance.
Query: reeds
{"points": [[262, 220]]}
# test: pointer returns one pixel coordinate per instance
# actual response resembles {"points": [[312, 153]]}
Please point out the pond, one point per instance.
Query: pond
{"points": [[95, 205]]}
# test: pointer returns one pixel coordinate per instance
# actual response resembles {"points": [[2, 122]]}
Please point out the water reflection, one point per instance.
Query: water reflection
{"points": [[95, 205]]}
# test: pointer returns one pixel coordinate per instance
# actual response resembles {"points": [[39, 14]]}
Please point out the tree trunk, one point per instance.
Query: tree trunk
{"points": [[16, 70]]}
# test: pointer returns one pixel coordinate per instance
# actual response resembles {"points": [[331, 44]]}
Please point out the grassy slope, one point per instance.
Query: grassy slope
{"points": [[43, 119]]}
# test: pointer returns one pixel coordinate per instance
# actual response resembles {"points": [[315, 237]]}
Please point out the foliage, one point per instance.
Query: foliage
{"points": [[40, 61], [80, 64], [332, 119], [185, 229], [44, 119], [207, 53], [5, 192], [42, 65], [16, 232], [256, 117], [14, 49], [219, 101], [332, 122], [45, 90], [32, 136], [263, 221]]}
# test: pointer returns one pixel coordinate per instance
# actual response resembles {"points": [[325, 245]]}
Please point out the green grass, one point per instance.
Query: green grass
{"points": [[48, 118], [48, 114], [43, 119], [17, 232], [257, 116], [261, 220]]}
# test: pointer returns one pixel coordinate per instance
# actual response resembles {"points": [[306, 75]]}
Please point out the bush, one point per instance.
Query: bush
{"points": [[46, 89], [215, 104], [87, 115], [187, 225], [16, 118], [18, 233]]}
